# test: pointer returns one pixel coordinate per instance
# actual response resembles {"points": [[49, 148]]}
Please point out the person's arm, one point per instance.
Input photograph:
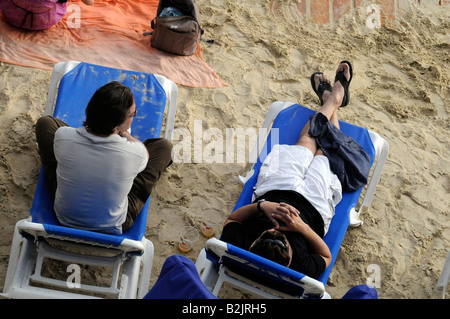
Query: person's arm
{"points": [[130, 138], [242, 214], [88, 2], [293, 222], [247, 212]]}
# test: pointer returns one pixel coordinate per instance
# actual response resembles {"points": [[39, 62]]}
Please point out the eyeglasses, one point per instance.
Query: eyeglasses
{"points": [[134, 113]]}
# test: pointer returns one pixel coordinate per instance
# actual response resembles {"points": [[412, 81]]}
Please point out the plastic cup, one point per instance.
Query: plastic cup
{"points": [[188, 236], [211, 219]]}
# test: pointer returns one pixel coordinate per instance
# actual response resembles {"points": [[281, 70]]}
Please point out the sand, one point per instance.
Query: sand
{"points": [[400, 90]]}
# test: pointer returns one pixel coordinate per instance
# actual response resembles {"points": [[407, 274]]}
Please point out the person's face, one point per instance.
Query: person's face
{"points": [[129, 120], [287, 242]]}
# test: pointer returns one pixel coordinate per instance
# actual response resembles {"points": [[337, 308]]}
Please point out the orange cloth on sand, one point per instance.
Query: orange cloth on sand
{"points": [[109, 33]]}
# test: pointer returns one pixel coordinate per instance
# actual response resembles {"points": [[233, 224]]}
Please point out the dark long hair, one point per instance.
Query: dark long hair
{"points": [[108, 108], [272, 245]]}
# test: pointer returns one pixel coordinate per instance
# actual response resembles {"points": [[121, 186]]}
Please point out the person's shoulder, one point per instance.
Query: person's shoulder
{"points": [[136, 150], [304, 261], [65, 131], [138, 145], [232, 233]]}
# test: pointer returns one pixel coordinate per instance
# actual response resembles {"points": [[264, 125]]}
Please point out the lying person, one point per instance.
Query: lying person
{"points": [[296, 193]]}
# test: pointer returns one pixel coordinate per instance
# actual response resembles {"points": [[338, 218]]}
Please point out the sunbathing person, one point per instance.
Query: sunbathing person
{"points": [[33, 14], [101, 176], [296, 193]]}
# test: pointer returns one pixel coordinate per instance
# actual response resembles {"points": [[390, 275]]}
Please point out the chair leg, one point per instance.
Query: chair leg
{"points": [[219, 282], [206, 270], [13, 259], [21, 262], [135, 282], [147, 263], [444, 278]]}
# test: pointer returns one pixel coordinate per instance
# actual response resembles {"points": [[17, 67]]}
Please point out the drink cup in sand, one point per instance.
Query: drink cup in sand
{"points": [[211, 220], [188, 236]]}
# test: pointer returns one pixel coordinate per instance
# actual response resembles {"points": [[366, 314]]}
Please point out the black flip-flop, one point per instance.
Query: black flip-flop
{"points": [[345, 83], [323, 86]]}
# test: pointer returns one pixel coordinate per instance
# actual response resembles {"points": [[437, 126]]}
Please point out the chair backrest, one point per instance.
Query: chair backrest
{"points": [[288, 125], [74, 92], [255, 268], [77, 87]]}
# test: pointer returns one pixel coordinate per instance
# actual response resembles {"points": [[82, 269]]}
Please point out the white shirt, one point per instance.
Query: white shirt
{"points": [[95, 175]]}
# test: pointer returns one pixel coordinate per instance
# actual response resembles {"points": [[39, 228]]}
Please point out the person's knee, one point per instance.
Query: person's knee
{"points": [[161, 148], [43, 122], [166, 145], [160, 145], [44, 126]]}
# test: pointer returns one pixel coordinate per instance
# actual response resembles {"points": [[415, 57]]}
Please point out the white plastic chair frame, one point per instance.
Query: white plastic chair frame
{"points": [[28, 255], [444, 278], [207, 270]]}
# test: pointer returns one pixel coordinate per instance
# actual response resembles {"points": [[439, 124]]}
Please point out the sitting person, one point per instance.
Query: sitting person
{"points": [[101, 176], [296, 193], [35, 14]]}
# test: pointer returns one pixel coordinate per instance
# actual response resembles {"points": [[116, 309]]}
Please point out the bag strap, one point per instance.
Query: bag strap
{"points": [[209, 42]]}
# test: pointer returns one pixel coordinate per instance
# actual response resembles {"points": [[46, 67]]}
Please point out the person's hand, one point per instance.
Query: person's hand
{"points": [[290, 217], [269, 208], [124, 127], [128, 136], [124, 133]]}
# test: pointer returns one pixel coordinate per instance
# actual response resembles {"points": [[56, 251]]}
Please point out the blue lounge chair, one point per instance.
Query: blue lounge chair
{"points": [[41, 236], [221, 262]]}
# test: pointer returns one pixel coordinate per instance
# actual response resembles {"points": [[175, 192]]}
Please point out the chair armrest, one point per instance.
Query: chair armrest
{"points": [[381, 151]]}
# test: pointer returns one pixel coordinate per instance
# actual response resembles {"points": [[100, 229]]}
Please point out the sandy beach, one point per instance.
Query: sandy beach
{"points": [[400, 90]]}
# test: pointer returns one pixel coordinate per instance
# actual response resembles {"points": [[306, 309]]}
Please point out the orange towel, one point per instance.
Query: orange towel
{"points": [[110, 33]]}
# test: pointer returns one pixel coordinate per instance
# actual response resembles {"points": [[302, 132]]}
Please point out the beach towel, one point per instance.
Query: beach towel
{"points": [[109, 33]]}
